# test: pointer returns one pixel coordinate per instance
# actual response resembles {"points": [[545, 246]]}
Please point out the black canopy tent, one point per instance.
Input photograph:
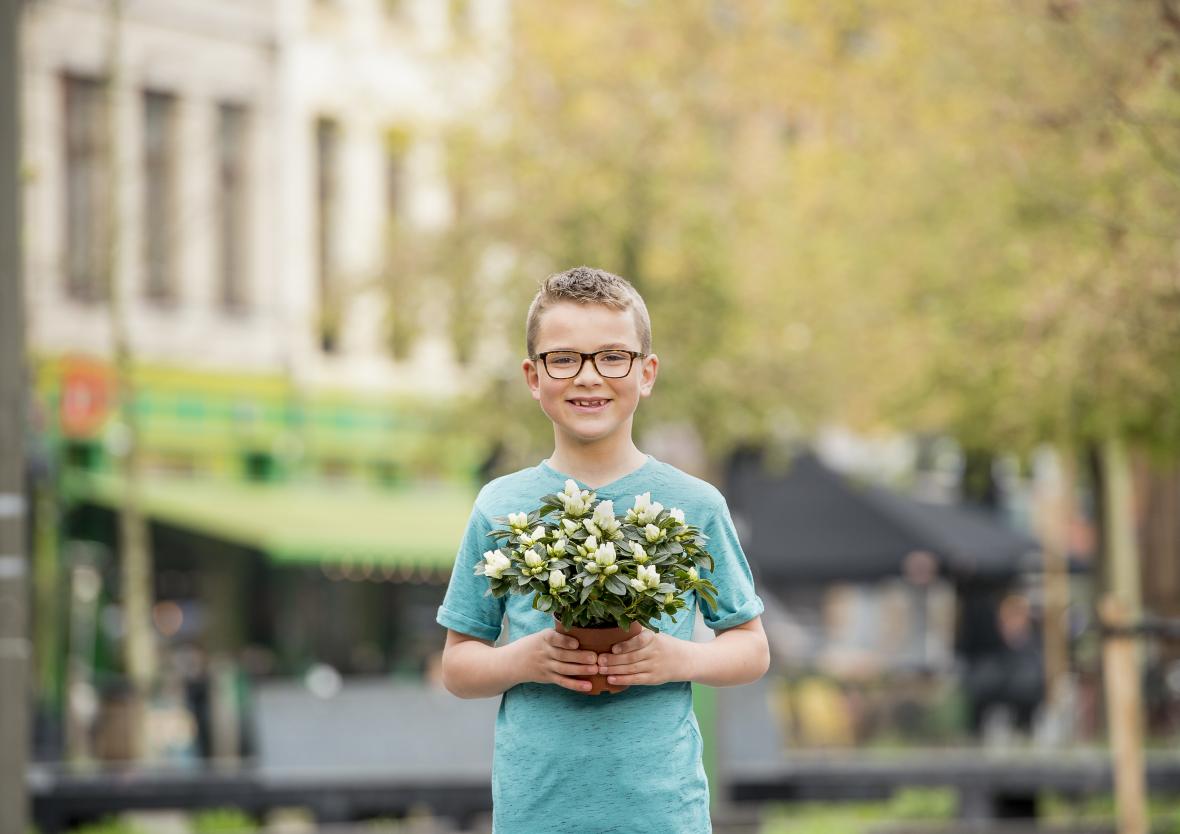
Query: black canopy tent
{"points": [[812, 525]]}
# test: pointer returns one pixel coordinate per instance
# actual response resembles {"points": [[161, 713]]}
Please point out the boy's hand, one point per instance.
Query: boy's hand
{"points": [[649, 659], [551, 657]]}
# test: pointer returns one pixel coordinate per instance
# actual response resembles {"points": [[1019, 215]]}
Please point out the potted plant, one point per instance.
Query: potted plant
{"points": [[603, 577]]}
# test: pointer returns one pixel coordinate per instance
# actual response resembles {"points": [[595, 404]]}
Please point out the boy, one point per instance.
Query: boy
{"points": [[566, 762]]}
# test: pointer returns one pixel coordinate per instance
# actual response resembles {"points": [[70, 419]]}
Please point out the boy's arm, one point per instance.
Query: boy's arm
{"points": [[735, 656], [474, 668]]}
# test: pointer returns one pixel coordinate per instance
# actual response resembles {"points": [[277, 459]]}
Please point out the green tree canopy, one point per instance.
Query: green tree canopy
{"points": [[958, 216]]}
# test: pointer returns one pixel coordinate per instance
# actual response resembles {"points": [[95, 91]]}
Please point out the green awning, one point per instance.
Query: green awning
{"points": [[409, 527]]}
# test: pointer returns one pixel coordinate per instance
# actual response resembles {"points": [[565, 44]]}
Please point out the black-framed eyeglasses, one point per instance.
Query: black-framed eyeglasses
{"points": [[567, 364]]}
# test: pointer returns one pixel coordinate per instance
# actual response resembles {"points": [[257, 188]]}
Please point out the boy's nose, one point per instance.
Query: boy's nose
{"points": [[588, 367]]}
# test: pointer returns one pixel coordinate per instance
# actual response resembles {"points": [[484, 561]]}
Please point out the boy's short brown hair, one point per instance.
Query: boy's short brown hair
{"points": [[587, 285]]}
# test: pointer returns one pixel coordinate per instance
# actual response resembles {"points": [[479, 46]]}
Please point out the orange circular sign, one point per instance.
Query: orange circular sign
{"points": [[86, 397]]}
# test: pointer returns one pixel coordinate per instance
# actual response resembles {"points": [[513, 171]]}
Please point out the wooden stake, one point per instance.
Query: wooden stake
{"points": [[1124, 711]]}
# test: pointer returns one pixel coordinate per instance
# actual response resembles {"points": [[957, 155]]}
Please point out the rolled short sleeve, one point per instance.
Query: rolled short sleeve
{"points": [[467, 607], [737, 602]]}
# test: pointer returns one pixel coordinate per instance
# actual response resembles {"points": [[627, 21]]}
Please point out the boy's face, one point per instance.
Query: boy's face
{"points": [[589, 408]]}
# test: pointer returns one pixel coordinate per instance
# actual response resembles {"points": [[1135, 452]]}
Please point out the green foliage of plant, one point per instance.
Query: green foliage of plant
{"points": [[882, 213], [223, 821], [590, 568], [108, 825], [909, 804], [1164, 812]]}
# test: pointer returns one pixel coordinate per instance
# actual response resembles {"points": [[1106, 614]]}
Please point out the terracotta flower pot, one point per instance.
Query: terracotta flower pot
{"points": [[599, 640]]}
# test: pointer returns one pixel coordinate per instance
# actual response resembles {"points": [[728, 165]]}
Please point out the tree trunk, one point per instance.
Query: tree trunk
{"points": [[134, 546], [1121, 667]]}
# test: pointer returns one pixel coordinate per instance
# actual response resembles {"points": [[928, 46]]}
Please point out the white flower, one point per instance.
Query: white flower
{"points": [[604, 519], [570, 526], [495, 563], [604, 555], [592, 528], [533, 559], [692, 574], [557, 549], [653, 533], [577, 502], [677, 514], [638, 553], [637, 584], [645, 510], [649, 576], [529, 539], [556, 579], [588, 547], [518, 521]]}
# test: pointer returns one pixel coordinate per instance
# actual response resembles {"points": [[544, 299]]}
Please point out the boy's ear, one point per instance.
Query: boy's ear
{"points": [[647, 378], [531, 377]]}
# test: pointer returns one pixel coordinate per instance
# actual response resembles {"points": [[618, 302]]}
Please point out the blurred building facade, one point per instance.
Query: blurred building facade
{"points": [[261, 151]]}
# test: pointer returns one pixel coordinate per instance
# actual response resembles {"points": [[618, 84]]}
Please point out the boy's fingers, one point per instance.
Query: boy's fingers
{"points": [[587, 658], [637, 642], [575, 669], [628, 680], [622, 668], [573, 683], [562, 641]]}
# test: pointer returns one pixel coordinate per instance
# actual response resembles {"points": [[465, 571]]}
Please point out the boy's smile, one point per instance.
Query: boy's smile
{"points": [[589, 408]]}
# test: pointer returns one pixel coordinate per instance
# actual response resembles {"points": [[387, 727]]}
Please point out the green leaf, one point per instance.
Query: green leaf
{"points": [[616, 585]]}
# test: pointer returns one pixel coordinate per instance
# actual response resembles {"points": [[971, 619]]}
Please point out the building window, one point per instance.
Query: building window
{"points": [[88, 196], [327, 142], [231, 206], [159, 195]]}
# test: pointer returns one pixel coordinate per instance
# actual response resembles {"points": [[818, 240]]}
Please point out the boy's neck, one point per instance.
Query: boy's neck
{"points": [[594, 465]]}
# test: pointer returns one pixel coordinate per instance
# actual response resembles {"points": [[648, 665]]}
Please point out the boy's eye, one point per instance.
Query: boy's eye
{"points": [[614, 358], [562, 359]]}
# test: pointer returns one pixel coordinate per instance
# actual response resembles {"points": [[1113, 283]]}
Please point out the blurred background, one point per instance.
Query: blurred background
{"points": [[914, 276]]}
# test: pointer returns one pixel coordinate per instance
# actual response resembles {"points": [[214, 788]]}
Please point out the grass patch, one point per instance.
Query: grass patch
{"points": [[1163, 812], [908, 804]]}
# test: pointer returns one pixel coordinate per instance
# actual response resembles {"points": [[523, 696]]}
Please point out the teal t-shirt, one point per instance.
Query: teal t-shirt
{"points": [[565, 762]]}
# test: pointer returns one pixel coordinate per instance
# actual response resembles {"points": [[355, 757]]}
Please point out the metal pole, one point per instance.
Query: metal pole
{"points": [[14, 644]]}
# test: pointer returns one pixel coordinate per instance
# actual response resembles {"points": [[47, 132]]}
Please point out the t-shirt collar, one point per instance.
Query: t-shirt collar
{"points": [[614, 486]]}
